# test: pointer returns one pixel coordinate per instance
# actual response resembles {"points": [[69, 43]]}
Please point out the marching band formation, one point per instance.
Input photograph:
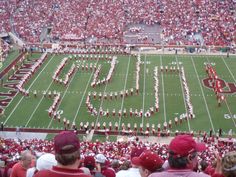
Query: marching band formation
{"points": [[29, 74], [124, 112], [215, 83]]}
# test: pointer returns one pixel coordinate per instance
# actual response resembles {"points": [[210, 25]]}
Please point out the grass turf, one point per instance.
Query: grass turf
{"points": [[32, 112]]}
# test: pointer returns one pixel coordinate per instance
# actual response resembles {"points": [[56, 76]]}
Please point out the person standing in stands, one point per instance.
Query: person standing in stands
{"points": [[20, 168], [148, 163], [134, 169], [226, 166], [2, 126], [67, 154], [102, 170], [182, 158]]}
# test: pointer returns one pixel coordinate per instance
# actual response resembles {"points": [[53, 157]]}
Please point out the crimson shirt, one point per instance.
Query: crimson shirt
{"points": [[18, 170], [60, 172]]}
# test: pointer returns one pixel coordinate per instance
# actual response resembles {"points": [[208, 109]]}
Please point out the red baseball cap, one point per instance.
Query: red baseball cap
{"points": [[183, 145], [66, 142], [108, 172], [136, 152], [89, 160], [148, 160]]}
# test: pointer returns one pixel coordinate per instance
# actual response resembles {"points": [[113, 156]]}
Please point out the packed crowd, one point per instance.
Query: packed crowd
{"points": [[118, 156], [87, 19]]}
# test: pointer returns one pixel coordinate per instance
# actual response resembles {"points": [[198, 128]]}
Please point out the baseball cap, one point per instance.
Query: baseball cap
{"points": [[66, 142], [46, 161], [89, 161], [148, 160], [100, 158], [108, 172], [183, 145], [136, 152]]}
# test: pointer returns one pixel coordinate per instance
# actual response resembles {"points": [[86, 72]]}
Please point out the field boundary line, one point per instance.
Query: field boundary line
{"points": [[204, 98], [84, 94], [122, 103], [181, 83], [28, 88], [37, 106], [163, 90]]}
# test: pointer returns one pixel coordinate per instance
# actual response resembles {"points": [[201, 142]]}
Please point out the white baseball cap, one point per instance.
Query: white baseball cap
{"points": [[100, 158]]}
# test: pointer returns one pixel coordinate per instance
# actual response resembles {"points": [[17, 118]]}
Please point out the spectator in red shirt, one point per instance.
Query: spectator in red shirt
{"points": [[182, 158], [20, 168]]}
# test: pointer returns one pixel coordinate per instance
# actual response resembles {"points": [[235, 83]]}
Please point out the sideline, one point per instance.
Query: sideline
{"points": [[22, 135]]}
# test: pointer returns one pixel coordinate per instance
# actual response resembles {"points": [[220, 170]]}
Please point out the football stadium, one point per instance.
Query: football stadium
{"points": [[124, 77]]}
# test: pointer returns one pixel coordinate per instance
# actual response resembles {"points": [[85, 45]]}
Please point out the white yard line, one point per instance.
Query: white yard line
{"points": [[163, 90], [77, 112], [183, 94], [208, 112], [33, 81], [37, 106], [102, 99], [230, 113], [144, 86], [225, 99], [228, 69], [122, 103], [28, 88]]}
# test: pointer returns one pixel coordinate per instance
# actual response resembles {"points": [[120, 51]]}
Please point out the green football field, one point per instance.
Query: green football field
{"points": [[32, 111]]}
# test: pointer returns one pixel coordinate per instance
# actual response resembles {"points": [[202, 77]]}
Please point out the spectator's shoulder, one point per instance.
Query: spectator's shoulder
{"points": [[84, 175], [42, 173]]}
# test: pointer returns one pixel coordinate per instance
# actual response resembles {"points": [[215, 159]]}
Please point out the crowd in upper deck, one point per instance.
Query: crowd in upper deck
{"points": [[109, 20]]}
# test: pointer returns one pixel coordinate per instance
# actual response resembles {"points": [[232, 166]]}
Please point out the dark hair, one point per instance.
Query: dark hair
{"points": [[67, 159], [203, 165], [179, 162], [90, 167]]}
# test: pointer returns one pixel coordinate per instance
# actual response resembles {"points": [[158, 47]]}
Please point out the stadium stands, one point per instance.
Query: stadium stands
{"points": [[11, 148], [213, 21]]}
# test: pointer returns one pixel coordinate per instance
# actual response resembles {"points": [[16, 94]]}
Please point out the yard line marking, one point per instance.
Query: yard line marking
{"points": [[144, 84], [181, 83], [18, 91], [28, 88], [102, 99], [204, 98], [37, 106], [230, 113], [122, 103], [231, 95], [63, 97], [228, 69], [77, 112], [163, 90]]}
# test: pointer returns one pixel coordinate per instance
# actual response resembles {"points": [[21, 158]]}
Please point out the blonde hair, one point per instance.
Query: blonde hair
{"points": [[229, 164]]}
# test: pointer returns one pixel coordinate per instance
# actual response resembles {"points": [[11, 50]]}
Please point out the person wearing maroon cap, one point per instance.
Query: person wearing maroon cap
{"points": [[67, 154], [89, 162], [182, 158], [148, 163]]}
